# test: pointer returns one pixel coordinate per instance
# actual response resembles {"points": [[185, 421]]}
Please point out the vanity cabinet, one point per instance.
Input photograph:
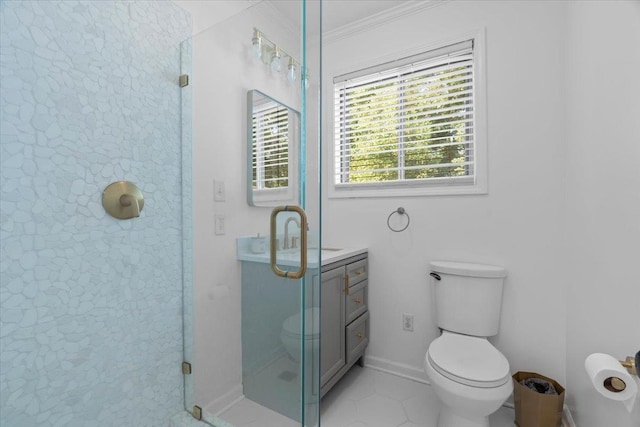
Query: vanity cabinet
{"points": [[344, 318]]}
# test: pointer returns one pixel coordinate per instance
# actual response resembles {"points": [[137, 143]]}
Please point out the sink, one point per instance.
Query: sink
{"points": [[312, 253], [291, 257]]}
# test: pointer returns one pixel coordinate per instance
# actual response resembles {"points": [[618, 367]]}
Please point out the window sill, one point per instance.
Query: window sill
{"points": [[457, 188]]}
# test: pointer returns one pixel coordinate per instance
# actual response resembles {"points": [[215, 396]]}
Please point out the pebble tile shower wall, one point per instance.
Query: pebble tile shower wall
{"points": [[91, 306]]}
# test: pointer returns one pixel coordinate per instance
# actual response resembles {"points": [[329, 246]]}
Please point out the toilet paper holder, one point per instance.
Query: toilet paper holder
{"points": [[614, 384], [632, 363], [617, 385]]}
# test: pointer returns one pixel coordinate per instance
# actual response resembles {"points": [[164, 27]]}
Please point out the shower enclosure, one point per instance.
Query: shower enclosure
{"points": [[93, 308], [252, 307], [90, 305]]}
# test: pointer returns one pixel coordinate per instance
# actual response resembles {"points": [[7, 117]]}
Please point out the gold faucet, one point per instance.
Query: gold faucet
{"points": [[285, 245]]}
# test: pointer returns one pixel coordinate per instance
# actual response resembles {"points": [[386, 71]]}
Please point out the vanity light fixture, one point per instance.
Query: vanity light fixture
{"points": [[272, 55], [292, 71], [256, 44], [276, 60]]}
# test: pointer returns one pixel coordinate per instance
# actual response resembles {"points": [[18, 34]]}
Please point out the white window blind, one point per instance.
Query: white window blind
{"points": [[270, 146], [410, 121]]}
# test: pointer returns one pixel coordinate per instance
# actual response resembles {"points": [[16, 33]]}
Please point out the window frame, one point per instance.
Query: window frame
{"points": [[476, 184]]}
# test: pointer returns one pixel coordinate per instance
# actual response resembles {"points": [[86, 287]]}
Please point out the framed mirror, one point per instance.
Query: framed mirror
{"points": [[273, 140]]}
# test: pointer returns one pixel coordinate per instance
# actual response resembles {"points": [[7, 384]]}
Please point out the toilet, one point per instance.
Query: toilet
{"points": [[468, 374], [290, 335]]}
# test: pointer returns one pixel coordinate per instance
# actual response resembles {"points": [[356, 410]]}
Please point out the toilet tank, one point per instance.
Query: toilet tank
{"points": [[468, 297]]}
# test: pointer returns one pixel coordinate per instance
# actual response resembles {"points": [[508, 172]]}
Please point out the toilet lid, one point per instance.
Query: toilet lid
{"points": [[468, 360], [292, 324]]}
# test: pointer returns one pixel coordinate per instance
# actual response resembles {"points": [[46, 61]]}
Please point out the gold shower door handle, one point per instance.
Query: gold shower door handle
{"points": [[303, 242]]}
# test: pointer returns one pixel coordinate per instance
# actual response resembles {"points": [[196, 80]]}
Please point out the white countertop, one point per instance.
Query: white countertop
{"points": [[291, 257]]}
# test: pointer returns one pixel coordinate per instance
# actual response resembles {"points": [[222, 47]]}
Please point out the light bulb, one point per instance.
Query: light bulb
{"points": [[276, 61], [291, 71], [256, 48]]}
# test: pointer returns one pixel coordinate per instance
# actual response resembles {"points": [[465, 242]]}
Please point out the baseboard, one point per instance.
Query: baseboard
{"points": [[394, 368], [265, 359], [567, 418], [185, 419], [225, 401]]}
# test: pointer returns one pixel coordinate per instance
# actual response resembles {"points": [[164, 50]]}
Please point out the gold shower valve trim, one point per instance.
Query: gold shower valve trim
{"points": [[122, 200]]}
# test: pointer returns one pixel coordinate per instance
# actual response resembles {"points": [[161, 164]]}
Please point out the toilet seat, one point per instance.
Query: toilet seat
{"points": [[292, 324], [468, 360]]}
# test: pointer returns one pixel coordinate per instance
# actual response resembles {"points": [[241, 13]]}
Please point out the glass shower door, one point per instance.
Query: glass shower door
{"points": [[252, 328], [280, 321]]}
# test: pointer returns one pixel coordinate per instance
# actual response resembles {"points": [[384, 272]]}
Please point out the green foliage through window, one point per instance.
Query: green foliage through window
{"points": [[413, 121]]}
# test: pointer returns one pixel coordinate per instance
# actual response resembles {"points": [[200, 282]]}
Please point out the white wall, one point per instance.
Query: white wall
{"points": [[516, 225], [603, 198], [208, 13]]}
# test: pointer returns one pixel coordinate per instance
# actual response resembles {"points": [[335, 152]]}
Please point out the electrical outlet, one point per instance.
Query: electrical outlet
{"points": [[407, 322]]}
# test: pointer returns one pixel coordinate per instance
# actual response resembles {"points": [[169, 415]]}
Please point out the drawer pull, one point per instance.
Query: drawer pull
{"points": [[357, 300], [360, 335], [359, 272]]}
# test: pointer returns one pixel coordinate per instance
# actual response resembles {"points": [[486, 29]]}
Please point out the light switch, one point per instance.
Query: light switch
{"points": [[218, 191]]}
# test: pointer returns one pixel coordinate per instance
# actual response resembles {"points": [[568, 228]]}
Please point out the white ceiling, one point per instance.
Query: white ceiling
{"points": [[339, 13], [336, 13], [206, 13]]}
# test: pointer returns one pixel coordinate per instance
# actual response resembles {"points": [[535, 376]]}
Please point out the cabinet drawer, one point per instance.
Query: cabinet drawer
{"points": [[357, 337], [357, 272], [356, 301]]}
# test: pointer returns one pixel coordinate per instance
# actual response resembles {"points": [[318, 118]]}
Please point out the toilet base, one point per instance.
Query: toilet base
{"points": [[448, 418]]}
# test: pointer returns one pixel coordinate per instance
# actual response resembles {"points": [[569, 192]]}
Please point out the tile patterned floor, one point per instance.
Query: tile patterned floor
{"points": [[247, 413], [364, 397]]}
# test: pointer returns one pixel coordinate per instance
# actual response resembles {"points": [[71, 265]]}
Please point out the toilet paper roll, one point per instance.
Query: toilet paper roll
{"points": [[606, 372]]}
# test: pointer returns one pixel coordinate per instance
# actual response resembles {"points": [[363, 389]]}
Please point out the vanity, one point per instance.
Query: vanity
{"points": [[344, 317], [340, 289]]}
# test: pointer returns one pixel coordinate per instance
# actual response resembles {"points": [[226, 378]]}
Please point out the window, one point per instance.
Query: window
{"points": [[407, 124]]}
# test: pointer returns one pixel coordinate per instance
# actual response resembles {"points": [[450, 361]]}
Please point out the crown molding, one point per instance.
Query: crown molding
{"points": [[276, 16], [380, 18]]}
